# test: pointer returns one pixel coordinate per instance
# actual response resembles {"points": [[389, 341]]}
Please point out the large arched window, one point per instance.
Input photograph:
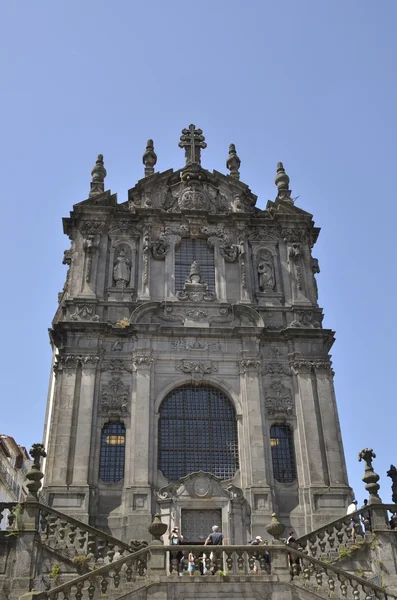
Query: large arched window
{"points": [[111, 464], [188, 251], [283, 455], [197, 432]]}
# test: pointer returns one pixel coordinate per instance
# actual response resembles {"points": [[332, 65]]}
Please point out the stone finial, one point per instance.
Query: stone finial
{"points": [[98, 174], [157, 528], [392, 473], [192, 140], [370, 478], [275, 528], [282, 183], [149, 158], [233, 162], [35, 475]]}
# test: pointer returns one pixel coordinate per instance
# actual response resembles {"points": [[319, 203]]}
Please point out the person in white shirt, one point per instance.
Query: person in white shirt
{"points": [[350, 510]]}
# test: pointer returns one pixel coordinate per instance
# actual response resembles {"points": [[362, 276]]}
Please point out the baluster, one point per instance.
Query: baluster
{"points": [[251, 560], [343, 589], [319, 578], [66, 594], [101, 552], [72, 534], [43, 521], [81, 539], [313, 546], [52, 526], [331, 537], [2, 509], [11, 517], [331, 583], [91, 588], [62, 529], [129, 573], [79, 593], [142, 565], [104, 584], [306, 573], [91, 544], [116, 577], [229, 561], [111, 552], [240, 561]]}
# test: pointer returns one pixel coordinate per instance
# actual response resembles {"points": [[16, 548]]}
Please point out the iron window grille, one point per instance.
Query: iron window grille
{"points": [[197, 432], [188, 251], [111, 465], [283, 455]]}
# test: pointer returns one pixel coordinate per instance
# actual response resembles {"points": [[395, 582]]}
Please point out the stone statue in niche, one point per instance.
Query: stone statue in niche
{"points": [[122, 269], [266, 276]]}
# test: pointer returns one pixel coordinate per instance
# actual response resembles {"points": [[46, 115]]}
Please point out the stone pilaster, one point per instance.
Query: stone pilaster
{"points": [[142, 362]]}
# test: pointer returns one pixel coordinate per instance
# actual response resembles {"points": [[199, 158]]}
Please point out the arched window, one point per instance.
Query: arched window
{"points": [[283, 455], [188, 251], [197, 432], [111, 465]]}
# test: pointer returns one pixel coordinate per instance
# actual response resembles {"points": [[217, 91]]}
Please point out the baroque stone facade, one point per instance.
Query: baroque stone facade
{"points": [[189, 286]]}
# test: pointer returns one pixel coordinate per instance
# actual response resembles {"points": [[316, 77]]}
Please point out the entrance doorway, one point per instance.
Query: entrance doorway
{"points": [[197, 524]]}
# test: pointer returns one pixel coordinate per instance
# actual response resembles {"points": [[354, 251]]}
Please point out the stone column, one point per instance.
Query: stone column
{"points": [[142, 364], [254, 470], [81, 459], [312, 448], [220, 275], [61, 421], [330, 421]]}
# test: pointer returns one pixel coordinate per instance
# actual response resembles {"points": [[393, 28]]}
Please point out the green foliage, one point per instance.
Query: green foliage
{"points": [[56, 569], [360, 572], [344, 552], [81, 561], [354, 548], [221, 573]]}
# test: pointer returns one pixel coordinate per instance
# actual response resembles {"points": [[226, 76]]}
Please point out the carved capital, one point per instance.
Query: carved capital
{"points": [[116, 365], [92, 227], [142, 360], [276, 368], [250, 364]]}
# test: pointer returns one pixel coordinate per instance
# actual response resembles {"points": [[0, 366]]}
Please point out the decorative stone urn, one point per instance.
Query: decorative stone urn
{"points": [[35, 475], [275, 528], [157, 528]]}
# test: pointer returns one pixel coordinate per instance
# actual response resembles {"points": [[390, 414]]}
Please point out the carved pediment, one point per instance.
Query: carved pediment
{"points": [[199, 485]]}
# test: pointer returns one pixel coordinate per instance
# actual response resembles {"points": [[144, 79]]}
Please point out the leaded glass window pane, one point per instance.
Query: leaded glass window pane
{"points": [[197, 432], [283, 455], [111, 464], [188, 251]]}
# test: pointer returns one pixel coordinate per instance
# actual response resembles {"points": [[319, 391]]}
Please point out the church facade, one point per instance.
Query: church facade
{"points": [[191, 373]]}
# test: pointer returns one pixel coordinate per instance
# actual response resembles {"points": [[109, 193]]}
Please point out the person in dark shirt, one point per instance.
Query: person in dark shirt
{"points": [[293, 560], [215, 538]]}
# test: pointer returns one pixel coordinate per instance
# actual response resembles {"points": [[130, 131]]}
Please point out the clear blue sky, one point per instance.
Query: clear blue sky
{"points": [[308, 82]]}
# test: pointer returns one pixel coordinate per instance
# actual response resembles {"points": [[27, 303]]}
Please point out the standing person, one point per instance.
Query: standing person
{"points": [[350, 510], [176, 539], [291, 541], [215, 538], [190, 564], [256, 542], [366, 516]]}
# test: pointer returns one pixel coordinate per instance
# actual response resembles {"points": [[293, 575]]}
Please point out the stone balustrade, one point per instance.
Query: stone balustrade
{"points": [[7, 508], [157, 563], [326, 541]]}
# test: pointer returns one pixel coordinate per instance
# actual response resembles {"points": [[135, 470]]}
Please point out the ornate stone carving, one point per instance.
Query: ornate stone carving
{"points": [[217, 236], [291, 235], [161, 246], [233, 162], [195, 314], [195, 288], [115, 396], [149, 158], [197, 369], [145, 254], [274, 352], [276, 369], [74, 360], [199, 485], [90, 245], [140, 360], [226, 315], [184, 345], [193, 197], [123, 227], [67, 260], [315, 270], [117, 346], [370, 478], [193, 141], [305, 319], [122, 267], [84, 312], [266, 276], [250, 363], [167, 314], [116, 364], [260, 234], [392, 473], [92, 227], [278, 399], [302, 365], [220, 203]]}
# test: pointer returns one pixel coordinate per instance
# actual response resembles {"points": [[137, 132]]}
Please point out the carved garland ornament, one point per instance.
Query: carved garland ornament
{"points": [[115, 396], [278, 399], [84, 312], [197, 369], [250, 363], [276, 369]]}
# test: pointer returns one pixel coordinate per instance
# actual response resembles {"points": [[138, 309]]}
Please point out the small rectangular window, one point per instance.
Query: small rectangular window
{"points": [[194, 250]]}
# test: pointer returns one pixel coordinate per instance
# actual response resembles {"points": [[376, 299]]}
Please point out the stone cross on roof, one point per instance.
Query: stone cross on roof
{"points": [[192, 140]]}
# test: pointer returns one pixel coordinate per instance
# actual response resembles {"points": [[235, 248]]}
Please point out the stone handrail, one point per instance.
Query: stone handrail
{"points": [[143, 567], [328, 539], [64, 533], [331, 578]]}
